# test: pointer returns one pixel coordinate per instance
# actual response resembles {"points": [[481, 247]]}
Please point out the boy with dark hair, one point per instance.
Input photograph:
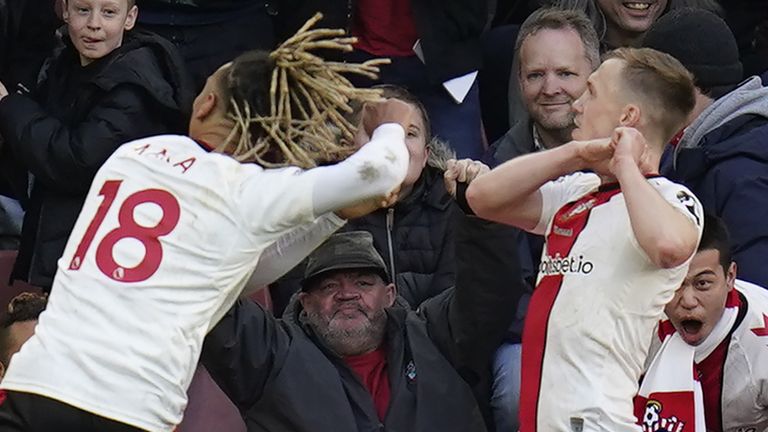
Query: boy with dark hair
{"points": [[717, 331]]}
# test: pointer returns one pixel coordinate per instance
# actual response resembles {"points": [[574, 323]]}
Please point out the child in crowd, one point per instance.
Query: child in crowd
{"points": [[104, 86]]}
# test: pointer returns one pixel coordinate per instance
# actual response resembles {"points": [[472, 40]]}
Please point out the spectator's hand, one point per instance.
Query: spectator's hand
{"points": [[3, 91], [369, 206], [631, 150], [462, 171], [390, 111]]}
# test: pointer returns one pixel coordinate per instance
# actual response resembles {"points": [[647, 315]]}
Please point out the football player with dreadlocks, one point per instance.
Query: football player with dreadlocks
{"points": [[174, 227]]}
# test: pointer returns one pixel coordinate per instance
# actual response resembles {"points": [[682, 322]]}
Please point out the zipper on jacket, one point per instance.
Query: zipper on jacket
{"points": [[390, 224]]}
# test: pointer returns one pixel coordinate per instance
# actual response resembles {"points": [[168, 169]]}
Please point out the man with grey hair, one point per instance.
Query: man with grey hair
{"points": [[555, 52]]}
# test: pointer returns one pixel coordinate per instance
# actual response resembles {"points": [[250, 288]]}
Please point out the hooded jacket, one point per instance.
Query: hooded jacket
{"points": [[281, 376], [723, 158], [416, 238], [63, 133]]}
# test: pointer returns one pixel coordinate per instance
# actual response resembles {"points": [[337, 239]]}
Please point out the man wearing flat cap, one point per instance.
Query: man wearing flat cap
{"points": [[350, 358], [722, 156]]}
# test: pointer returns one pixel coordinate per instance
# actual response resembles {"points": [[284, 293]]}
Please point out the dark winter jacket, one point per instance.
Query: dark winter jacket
{"points": [[282, 378], [516, 142], [27, 38], [449, 30], [64, 132], [416, 234], [203, 5], [723, 159]]}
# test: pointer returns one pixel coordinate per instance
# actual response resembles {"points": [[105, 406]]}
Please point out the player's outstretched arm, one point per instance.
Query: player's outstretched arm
{"points": [[375, 170], [665, 233], [288, 251], [510, 192]]}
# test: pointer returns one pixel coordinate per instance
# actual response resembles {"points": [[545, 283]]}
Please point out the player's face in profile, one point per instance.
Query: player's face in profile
{"points": [[96, 26], [631, 17], [699, 302], [553, 73], [599, 109], [346, 307]]}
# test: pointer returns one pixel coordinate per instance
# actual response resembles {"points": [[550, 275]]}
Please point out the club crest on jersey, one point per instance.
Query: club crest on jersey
{"points": [[577, 210], [690, 204], [653, 420]]}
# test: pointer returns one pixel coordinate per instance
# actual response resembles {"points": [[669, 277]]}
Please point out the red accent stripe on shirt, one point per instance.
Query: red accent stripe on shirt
{"points": [[543, 300]]}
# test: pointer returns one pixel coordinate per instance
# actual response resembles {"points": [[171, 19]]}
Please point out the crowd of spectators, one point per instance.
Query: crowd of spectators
{"points": [[450, 291]]}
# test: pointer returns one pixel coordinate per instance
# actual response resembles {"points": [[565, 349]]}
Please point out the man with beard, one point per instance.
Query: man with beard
{"points": [[556, 50], [721, 323], [351, 358]]}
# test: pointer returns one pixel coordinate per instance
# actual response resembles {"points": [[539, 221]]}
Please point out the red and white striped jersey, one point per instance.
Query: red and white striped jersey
{"points": [[596, 304]]}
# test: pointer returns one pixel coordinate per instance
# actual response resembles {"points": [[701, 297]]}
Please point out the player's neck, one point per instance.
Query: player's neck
{"points": [[216, 133]]}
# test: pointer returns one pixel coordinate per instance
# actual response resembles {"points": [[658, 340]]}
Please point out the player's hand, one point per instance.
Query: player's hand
{"points": [[462, 171], [376, 114], [594, 154], [631, 150], [369, 206]]}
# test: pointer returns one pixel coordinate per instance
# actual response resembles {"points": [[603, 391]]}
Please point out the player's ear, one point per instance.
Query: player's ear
{"points": [[630, 116], [206, 106], [730, 276]]}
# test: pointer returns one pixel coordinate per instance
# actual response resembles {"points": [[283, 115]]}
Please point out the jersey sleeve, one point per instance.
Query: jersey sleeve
{"points": [[682, 199], [290, 248], [274, 201], [557, 193]]}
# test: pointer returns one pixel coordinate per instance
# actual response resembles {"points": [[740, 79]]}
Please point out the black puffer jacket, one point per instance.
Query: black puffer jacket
{"points": [[418, 234], [282, 378], [64, 132]]}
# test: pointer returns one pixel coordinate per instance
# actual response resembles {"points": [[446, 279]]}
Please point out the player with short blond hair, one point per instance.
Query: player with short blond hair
{"points": [[618, 242]]}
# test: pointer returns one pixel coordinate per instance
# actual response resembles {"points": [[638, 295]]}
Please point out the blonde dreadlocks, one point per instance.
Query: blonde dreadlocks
{"points": [[302, 121]]}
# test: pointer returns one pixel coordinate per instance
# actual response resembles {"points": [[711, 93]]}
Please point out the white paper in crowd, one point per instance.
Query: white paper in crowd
{"points": [[458, 87]]}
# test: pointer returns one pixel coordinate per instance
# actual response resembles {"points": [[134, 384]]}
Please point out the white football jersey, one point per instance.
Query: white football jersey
{"points": [[596, 304], [166, 240]]}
